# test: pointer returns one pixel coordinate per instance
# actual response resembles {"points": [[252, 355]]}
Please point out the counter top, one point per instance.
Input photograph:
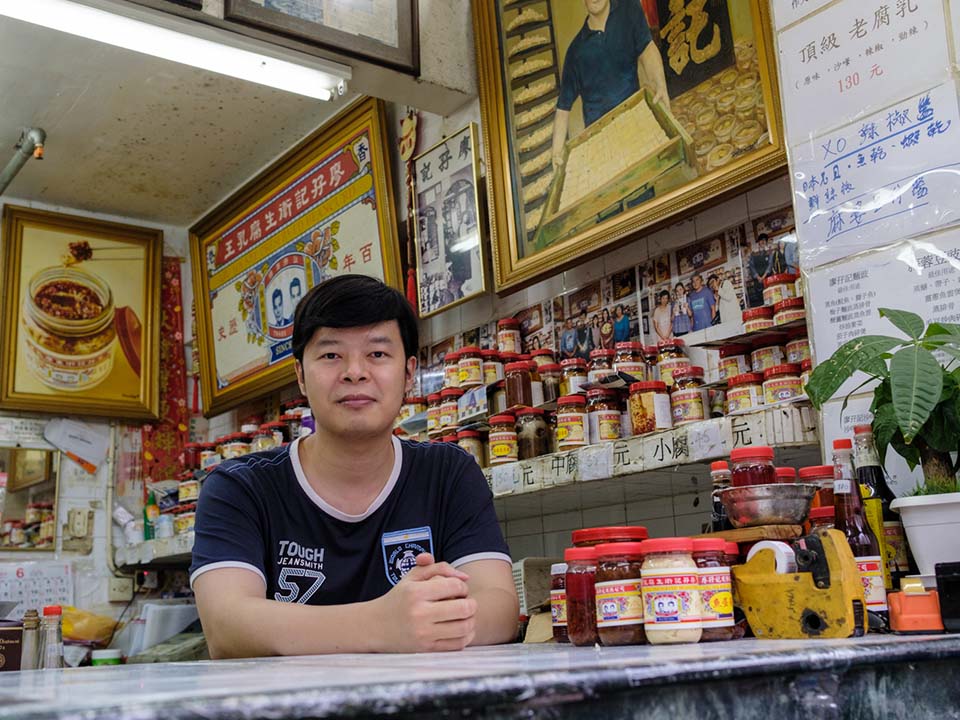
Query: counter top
{"points": [[526, 679]]}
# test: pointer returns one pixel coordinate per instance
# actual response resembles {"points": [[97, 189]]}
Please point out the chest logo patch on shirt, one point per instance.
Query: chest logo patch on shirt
{"points": [[400, 550]]}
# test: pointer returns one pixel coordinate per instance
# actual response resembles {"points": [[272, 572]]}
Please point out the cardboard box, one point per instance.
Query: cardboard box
{"points": [[11, 637]]}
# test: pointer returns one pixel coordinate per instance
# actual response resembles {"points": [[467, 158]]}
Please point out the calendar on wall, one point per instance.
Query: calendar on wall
{"points": [[35, 584]]}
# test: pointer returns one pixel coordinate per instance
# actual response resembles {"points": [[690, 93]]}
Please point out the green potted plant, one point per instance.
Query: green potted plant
{"points": [[916, 411]]}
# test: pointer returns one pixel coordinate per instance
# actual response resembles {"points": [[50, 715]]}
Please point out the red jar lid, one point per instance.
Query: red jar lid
{"points": [[649, 349], [433, 397], [824, 511], [664, 545], [612, 532], [529, 411], [779, 279], [777, 370], [490, 354], [691, 371], [764, 311], [508, 323], [862, 429], [517, 367], [676, 342], [524, 357], [502, 420], [580, 553], [719, 465], [468, 434], [192, 445], [615, 549], [787, 304], [509, 357], [816, 472], [290, 417], [843, 444], [601, 392], [449, 438], [787, 474], [237, 437], [451, 392], [50, 610], [757, 452], [701, 545], [542, 352], [602, 354], [632, 346], [550, 367], [415, 401], [573, 362], [572, 400], [731, 548], [655, 385], [296, 402], [806, 364], [745, 379], [470, 350], [734, 350]]}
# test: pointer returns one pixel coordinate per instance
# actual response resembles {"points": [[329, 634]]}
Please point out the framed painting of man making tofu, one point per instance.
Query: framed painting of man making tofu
{"points": [[601, 117]]}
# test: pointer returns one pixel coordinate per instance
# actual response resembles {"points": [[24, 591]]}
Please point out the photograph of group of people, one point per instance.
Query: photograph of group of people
{"points": [[774, 252], [600, 315]]}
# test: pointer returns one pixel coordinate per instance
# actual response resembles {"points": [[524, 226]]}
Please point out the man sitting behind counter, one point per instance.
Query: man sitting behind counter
{"points": [[349, 539]]}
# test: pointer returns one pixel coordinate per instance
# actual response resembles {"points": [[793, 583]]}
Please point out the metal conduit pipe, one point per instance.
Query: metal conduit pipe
{"points": [[30, 145]]}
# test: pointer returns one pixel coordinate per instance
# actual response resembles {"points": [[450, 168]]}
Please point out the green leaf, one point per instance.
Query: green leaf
{"points": [[936, 328], [853, 355], [884, 427], [939, 432], [916, 380], [907, 322], [908, 452]]}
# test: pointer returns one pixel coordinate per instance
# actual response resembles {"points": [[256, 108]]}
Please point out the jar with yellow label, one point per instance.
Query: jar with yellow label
{"points": [[551, 376], [492, 366], [744, 392], [798, 346], [716, 590], [449, 407], [542, 357], [573, 429], [574, 376], [781, 382], [789, 310], [619, 601], [471, 367], [472, 442], [670, 590], [434, 402], [689, 401], [734, 360], [629, 360], [671, 357], [411, 406], [235, 445], [519, 385], [603, 409], [806, 367], [503, 440], [451, 369], [768, 352], [649, 407], [508, 335], [757, 319], [601, 365], [778, 287]]}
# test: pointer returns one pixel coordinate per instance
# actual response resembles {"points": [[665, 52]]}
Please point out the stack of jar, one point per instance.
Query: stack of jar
{"points": [[782, 303], [765, 372]]}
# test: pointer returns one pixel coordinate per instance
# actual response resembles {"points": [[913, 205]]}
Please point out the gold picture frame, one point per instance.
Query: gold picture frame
{"points": [[447, 202], [324, 208], [105, 358], [28, 468], [700, 141]]}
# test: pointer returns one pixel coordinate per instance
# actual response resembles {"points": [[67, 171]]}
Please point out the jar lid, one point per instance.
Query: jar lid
{"points": [[502, 420], [806, 364], [601, 392], [733, 350], [550, 367], [414, 401], [797, 333], [573, 362], [689, 371], [757, 452], [764, 311], [509, 357], [237, 437], [451, 392], [843, 444], [649, 349], [655, 385], [490, 354], [129, 335], [433, 397], [508, 322], [470, 350], [602, 353], [731, 548], [524, 357], [452, 438], [719, 465], [208, 445], [452, 356], [622, 548], [542, 352], [787, 369], [824, 511], [665, 545], [517, 367], [779, 279], [468, 434], [290, 417], [675, 342], [787, 473], [612, 532], [579, 553], [795, 302], [745, 379], [50, 610], [192, 445], [572, 400], [295, 402], [529, 411], [814, 472], [632, 346], [558, 568], [863, 429], [709, 545]]}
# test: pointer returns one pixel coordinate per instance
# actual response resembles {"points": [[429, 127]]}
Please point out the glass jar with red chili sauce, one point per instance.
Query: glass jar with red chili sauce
{"points": [[581, 598], [591, 537], [821, 475], [716, 589], [786, 475], [752, 466]]}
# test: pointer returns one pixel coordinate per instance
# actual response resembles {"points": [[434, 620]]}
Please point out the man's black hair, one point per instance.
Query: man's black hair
{"points": [[762, 237], [348, 301], [295, 281], [278, 293]]}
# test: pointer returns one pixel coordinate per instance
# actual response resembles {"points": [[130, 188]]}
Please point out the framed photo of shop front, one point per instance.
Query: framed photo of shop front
{"points": [[324, 209], [591, 136]]}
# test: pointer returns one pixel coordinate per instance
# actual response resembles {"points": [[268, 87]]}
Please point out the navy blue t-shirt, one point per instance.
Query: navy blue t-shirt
{"points": [[259, 512], [601, 65]]}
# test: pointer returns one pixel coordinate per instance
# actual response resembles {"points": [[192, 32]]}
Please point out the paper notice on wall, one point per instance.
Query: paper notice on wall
{"points": [[888, 176], [787, 12], [23, 432], [82, 443], [856, 57]]}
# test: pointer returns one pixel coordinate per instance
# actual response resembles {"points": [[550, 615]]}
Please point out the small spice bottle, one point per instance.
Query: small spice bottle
{"points": [[601, 364], [789, 310], [574, 376], [768, 352], [786, 474], [798, 345], [492, 366], [617, 589], [497, 402], [650, 407], [604, 415], [543, 356], [508, 335], [670, 358], [671, 591], [744, 392], [689, 401], [822, 518], [781, 382], [752, 466], [558, 601], [471, 367], [806, 368], [533, 437], [629, 359], [449, 407], [518, 384], [573, 428], [778, 287], [821, 475], [503, 440], [472, 442], [581, 595], [451, 369], [757, 319], [734, 360], [434, 402], [716, 589], [551, 376]]}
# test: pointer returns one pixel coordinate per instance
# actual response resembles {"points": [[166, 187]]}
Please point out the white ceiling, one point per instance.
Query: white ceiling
{"points": [[135, 136]]}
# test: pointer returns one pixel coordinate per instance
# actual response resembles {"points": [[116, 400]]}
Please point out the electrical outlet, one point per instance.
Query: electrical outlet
{"points": [[77, 522], [120, 589]]}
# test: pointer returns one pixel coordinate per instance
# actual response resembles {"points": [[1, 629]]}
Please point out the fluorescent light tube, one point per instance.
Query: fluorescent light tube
{"points": [[148, 38]]}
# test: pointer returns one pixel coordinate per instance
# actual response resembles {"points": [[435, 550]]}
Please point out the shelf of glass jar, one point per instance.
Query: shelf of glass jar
{"points": [[172, 551]]}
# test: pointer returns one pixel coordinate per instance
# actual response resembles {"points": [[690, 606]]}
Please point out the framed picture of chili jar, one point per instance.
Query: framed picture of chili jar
{"points": [[81, 315], [604, 118], [324, 209]]}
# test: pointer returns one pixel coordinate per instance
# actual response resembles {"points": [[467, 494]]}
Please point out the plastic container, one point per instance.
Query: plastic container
{"points": [[716, 589], [798, 346], [734, 360], [822, 517], [451, 369], [670, 358], [786, 475], [821, 475], [533, 435], [781, 382], [752, 466], [757, 319], [470, 367], [603, 409], [508, 335], [235, 445], [767, 353], [778, 287], [619, 599], [689, 401], [581, 595], [518, 384], [574, 376], [629, 359], [503, 440], [492, 366], [650, 409], [789, 310], [558, 601], [434, 403], [671, 592], [449, 408], [573, 427], [591, 537], [744, 392], [472, 442], [601, 365]]}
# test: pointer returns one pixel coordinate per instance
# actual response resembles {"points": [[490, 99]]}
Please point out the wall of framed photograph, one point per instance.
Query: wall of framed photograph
{"points": [[81, 315], [324, 209], [587, 145], [449, 250]]}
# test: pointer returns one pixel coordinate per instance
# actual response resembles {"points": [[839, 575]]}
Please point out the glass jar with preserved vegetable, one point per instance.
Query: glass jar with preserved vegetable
{"points": [[581, 595], [262, 440], [604, 415], [449, 407], [671, 591], [472, 442], [518, 384], [591, 537], [543, 356], [650, 407], [471, 367], [671, 357], [558, 601], [574, 376], [492, 366], [716, 589], [618, 594], [629, 359], [533, 439], [781, 382], [434, 401], [551, 376], [821, 475], [451, 369], [744, 392], [450, 436], [734, 360], [821, 518], [752, 466], [573, 428], [757, 319], [235, 445], [689, 401], [601, 365], [508, 335], [503, 440]]}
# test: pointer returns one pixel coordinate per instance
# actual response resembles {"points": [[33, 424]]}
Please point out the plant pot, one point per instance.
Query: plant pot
{"points": [[932, 525]]}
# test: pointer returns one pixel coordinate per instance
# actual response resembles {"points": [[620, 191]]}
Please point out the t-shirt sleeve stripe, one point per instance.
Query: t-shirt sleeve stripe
{"points": [[482, 556], [226, 564]]}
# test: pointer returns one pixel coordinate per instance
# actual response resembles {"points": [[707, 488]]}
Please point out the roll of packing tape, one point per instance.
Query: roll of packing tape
{"points": [[786, 558]]}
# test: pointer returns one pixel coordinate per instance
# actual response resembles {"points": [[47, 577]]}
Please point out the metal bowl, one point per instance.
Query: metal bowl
{"points": [[777, 504]]}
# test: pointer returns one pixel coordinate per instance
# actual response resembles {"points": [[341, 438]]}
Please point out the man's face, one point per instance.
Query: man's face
{"points": [[762, 245], [356, 378], [596, 7], [278, 307], [294, 295], [697, 282], [712, 283]]}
